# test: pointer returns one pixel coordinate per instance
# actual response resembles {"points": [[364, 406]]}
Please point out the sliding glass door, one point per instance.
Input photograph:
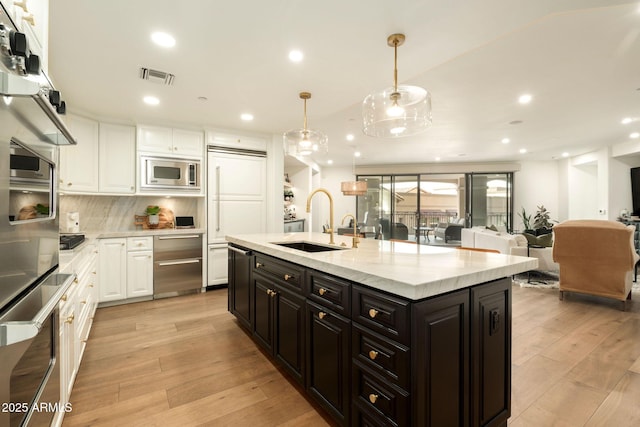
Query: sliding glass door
{"points": [[489, 201]]}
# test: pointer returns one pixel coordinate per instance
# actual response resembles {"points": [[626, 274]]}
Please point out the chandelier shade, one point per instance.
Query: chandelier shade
{"points": [[304, 142], [398, 110], [353, 188]]}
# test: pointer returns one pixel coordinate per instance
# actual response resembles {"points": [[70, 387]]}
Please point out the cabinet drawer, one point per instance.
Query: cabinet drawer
{"points": [[330, 292], [140, 243], [386, 357], [382, 313], [379, 398], [283, 272]]}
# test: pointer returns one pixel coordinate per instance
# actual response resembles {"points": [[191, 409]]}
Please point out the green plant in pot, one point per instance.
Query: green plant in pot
{"points": [[542, 222], [153, 214], [526, 221], [42, 210]]}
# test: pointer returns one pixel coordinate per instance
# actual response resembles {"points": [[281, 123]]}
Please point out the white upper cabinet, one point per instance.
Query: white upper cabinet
{"points": [[79, 163], [170, 142], [236, 141], [117, 159]]}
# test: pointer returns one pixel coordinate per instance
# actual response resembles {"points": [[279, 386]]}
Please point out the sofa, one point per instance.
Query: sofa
{"points": [[508, 244], [449, 230], [596, 257]]}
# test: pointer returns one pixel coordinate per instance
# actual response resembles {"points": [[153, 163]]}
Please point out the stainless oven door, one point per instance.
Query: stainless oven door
{"points": [[30, 373]]}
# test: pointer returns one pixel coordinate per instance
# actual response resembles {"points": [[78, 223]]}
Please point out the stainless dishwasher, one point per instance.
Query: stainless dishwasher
{"points": [[177, 264]]}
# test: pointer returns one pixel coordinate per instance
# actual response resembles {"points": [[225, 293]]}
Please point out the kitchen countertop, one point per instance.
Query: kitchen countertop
{"points": [[138, 233], [408, 270]]}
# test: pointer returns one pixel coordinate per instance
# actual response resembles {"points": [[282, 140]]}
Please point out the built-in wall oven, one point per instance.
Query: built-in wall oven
{"points": [[30, 285]]}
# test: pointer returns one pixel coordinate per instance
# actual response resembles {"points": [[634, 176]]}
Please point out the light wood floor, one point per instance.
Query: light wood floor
{"points": [[185, 362]]}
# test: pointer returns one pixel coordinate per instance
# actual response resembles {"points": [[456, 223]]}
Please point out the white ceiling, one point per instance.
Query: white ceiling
{"points": [[580, 59]]}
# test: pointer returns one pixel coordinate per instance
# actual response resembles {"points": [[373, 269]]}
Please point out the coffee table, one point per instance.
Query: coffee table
{"points": [[422, 230]]}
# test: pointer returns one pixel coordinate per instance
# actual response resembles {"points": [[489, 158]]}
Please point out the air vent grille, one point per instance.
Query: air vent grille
{"points": [[156, 76]]}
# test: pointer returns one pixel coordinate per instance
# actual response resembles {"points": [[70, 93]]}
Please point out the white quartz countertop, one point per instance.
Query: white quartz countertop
{"points": [[408, 270], [138, 233]]}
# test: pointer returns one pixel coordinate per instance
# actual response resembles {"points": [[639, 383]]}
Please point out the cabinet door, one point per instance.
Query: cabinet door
{"points": [[289, 331], [440, 345], [217, 265], [155, 139], [188, 143], [139, 274], [263, 311], [113, 269], [491, 341], [240, 289], [117, 159], [328, 360], [79, 163]]}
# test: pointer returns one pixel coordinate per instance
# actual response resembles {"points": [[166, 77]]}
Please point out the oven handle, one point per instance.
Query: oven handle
{"points": [[185, 261], [45, 105], [15, 331]]}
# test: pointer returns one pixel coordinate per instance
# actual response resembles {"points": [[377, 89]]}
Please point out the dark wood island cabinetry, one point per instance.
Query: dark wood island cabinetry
{"points": [[371, 358]]}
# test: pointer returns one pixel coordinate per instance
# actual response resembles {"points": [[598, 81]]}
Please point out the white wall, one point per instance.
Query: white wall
{"points": [[535, 184]]}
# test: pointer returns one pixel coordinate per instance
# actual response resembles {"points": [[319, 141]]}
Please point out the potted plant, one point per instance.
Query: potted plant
{"points": [[153, 215], [542, 222], [526, 221], [42, 210]]}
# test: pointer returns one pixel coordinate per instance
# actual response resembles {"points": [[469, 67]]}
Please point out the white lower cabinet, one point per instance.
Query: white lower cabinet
{"points": [[217, 264], [113, 269], [126, 268], [76, 311], [139, 267]]}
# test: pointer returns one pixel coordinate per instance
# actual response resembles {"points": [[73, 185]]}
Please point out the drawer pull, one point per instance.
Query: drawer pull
{"points": [[322, 315], [259, 265], [373, 354], [287, 277], [373, 313], [269, 292], [322, 291], [83, 302], [373, 398]]}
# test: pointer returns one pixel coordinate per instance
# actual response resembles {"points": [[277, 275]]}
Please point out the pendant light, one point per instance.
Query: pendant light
{"points": [[399, 110], [354, 188], [303, 142]]}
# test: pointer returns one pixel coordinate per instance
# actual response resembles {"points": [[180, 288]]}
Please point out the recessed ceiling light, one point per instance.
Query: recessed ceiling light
{"points": [[506, 140], [357, 154], [296, 56], [330, 162], [523, 150], [151, 100], [565, 154], [634, 135], [350, 137], [246, 117], [525, 99], [163, 39], [437, 159], [626, 120]]}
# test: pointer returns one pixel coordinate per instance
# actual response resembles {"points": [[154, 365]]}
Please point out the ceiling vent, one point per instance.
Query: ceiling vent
{"points": [[156, 76]]}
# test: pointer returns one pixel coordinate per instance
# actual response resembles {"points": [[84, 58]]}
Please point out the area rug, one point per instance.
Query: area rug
{"points": [[543, 280]]}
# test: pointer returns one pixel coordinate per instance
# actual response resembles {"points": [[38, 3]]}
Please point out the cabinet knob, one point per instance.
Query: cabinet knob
{"points": [[70, 319], [91, 285], [259, 265], [287, 277], [373, 398], [76, 281], [29, 18], [322, 291], [69, 184], [373, 354], [322, 315], [373, 313], [64, 297], [83, 302]]}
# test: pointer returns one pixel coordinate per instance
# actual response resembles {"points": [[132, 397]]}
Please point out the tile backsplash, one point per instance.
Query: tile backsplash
{"points": [[116, 213]]}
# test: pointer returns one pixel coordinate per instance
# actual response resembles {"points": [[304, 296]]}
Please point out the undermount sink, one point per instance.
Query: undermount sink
{"points": [[308, 247]]}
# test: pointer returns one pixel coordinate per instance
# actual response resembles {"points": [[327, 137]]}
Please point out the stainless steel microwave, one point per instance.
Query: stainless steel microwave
{"points": [[174, 174]]}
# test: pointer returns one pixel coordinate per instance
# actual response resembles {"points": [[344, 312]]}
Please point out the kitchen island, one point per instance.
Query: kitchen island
{"points": [[389, 333]]}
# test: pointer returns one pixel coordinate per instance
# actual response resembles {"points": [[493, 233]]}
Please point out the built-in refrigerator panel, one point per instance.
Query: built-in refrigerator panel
{"points": [[236, 202]]}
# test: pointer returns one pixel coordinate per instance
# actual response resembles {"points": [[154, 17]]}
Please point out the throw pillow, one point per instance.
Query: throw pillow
{"points": [[545, 240]]}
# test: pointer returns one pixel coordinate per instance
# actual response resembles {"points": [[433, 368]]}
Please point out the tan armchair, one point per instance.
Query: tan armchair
{"points": [[596, 257]]}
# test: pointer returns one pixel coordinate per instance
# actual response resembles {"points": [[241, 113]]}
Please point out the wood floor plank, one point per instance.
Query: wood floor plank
{"points": [[186, 361]]}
